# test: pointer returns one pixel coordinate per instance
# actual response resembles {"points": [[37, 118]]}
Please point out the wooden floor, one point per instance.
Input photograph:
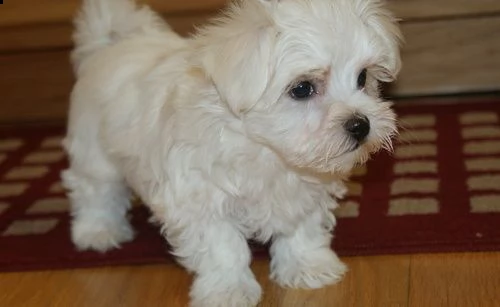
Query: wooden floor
{"points": [[468, 280]]}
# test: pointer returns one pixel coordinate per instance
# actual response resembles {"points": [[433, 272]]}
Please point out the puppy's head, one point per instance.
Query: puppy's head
{"points": [[302, 75]]}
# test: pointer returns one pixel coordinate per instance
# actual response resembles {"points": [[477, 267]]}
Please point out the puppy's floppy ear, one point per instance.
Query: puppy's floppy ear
{"points": [[385, 25], [236, 54]]}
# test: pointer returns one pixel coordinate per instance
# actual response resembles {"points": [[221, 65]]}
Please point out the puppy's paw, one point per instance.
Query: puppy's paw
{"points": [[313, 270], [100, 235], [208, 292], [338, 189]]}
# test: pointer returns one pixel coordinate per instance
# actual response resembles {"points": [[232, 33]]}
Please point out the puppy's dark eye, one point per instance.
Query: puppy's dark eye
{"points": [[362, 79], [302, 90]]}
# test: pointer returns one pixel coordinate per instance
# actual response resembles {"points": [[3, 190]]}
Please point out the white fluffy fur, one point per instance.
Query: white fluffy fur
{"points": [[203, 130]]}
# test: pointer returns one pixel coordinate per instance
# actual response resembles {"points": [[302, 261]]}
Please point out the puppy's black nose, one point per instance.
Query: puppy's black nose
{"points": [[358, 127]]}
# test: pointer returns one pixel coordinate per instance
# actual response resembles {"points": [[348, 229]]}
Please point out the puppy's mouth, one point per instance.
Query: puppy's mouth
{"points": [[370, 146], [348, 146], [365, 146]]}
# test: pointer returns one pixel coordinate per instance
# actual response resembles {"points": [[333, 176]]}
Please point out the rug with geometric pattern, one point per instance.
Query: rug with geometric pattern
{"points": [[438, 192]]}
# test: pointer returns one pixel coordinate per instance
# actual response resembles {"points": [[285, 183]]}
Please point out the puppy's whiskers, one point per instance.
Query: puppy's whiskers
{"points": [[328, 153], [347, 145]]}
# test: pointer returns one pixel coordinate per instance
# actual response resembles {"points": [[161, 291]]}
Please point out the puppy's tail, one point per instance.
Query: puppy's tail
{"points": [[100, 23]]}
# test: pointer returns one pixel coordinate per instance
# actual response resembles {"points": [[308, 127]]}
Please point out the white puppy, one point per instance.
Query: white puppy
{"points": [[241, 131]]}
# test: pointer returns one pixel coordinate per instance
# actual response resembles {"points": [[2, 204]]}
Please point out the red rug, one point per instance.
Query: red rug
{"points": [[438, 192]]}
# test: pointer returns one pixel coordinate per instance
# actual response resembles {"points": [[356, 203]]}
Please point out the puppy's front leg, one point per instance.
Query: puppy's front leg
{"points": [[219, 256], [304, 258]]}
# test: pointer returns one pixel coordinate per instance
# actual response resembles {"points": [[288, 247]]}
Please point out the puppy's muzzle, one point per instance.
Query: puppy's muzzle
{"points": [[358, 127]]}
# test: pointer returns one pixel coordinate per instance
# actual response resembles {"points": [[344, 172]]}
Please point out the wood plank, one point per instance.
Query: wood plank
{"points": [[458, 280], [34, 86], [58, 35], [372, 281], [26, 12], [32, 37], [433, 9], [22, 12], [450, 57]]}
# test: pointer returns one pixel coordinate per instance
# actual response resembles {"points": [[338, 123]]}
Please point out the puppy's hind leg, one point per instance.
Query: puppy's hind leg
{"points": [[99, 198]]}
